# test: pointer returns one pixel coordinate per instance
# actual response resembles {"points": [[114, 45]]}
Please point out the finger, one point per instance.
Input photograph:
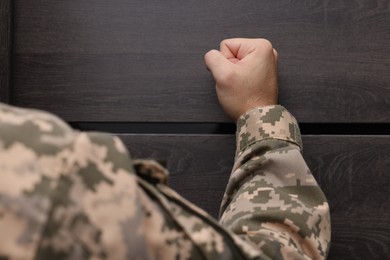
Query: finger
{"points": [[276, 56], [228, 52], [238, 48], [217, 63], [233, 60]]}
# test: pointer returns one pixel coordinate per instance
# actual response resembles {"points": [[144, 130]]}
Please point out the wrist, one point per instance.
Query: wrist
{"points": [[251, 109]]}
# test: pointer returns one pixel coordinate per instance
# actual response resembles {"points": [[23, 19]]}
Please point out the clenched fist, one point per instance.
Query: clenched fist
{"points": [[245, 72]]}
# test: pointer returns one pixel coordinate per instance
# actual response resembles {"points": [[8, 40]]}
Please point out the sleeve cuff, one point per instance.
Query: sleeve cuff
{"points": [[270, 122]]}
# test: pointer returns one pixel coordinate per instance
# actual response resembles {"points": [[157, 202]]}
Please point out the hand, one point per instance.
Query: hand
{"points": [[245, 72]]}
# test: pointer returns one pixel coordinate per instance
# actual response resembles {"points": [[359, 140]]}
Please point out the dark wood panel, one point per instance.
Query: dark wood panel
{"points": [[143, 61], [353, 172], [117, 87], [5, 45]]}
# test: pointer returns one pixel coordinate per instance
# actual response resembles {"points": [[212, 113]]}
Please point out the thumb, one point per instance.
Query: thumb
{"points": [[217, 63]]}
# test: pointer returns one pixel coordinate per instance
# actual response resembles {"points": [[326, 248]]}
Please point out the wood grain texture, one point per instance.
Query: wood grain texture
{"points": [[143, 61], [5, 49], [353, 172]]}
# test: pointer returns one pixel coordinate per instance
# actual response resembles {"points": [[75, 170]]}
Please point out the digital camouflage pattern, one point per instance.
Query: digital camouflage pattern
{"points": [[66, 194]]}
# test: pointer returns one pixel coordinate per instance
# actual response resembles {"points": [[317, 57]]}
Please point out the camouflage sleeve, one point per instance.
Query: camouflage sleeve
{"points": [[66, 194], [272, 201]]}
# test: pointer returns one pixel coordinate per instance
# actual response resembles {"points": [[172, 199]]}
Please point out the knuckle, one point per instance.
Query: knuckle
{"points": [[224, 42], [266, 44]]}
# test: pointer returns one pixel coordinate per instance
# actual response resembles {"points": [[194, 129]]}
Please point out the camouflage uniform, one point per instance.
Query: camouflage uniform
{"points": [[74, 195]]}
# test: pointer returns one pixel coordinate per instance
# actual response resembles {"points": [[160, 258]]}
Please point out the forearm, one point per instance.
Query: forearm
{"points": [[272, 200]]}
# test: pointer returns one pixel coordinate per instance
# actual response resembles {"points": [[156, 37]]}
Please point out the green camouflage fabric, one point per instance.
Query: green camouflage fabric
{"points": [[66, 194]]}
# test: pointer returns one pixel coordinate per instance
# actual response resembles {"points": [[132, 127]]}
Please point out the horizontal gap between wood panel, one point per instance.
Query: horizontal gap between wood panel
{"points": [[227, 128]]}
